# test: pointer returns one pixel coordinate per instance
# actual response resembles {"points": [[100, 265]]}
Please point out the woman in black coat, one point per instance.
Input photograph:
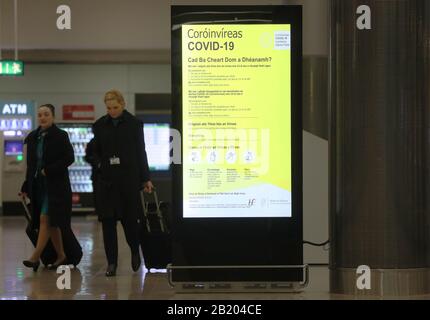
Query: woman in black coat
{"points": [[47, 184], [119, 150]]}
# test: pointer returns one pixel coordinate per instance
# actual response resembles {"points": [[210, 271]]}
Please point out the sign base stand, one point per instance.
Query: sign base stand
{"points": [[238, 287]]}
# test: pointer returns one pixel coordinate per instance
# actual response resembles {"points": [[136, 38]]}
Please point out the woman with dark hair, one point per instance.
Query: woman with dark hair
{"points": [[47, 184]]}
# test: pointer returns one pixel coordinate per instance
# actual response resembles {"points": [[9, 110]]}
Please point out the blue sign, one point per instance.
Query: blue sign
{"points": [[13, 124], [16, 115], [20, 108]]}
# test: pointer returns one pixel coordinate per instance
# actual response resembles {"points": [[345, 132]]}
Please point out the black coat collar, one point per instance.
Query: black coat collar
{"points": [[123, 117], [35, 133], [52, 129]]}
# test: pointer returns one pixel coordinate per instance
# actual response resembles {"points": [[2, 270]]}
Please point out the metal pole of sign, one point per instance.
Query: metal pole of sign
{"points": [[15, 6]]}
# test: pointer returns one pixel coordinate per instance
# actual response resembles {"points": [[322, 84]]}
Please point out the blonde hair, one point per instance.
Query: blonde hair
{"points": [[115, 95]]}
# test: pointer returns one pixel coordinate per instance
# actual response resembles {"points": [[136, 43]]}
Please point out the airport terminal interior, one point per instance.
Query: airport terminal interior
{"points": [[343, 209]]}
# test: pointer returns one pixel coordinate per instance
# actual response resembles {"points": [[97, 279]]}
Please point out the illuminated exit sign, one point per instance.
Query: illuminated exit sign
{"points": [[11, 68]]}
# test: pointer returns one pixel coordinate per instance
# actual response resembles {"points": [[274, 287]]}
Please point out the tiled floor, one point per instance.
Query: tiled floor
{"points": [[89, 281]]}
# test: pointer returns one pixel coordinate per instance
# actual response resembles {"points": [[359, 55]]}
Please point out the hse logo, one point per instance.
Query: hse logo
{"points": [[251, 202], [364, 278]]}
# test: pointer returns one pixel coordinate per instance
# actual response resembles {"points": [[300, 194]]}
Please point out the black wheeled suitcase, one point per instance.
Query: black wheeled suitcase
{"points": [[155, 235], [72, 248], [48, 255]]}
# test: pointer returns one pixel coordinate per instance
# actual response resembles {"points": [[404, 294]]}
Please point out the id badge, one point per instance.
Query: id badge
{"points": [[114, 161]]}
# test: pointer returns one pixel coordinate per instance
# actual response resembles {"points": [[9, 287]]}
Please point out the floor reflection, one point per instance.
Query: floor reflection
{"points": [[89, 282], [86, 282]]}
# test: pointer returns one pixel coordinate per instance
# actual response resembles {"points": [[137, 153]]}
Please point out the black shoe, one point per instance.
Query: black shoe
{"points": [[111, 270], [31, 264], [54, 266], [135, 261]]}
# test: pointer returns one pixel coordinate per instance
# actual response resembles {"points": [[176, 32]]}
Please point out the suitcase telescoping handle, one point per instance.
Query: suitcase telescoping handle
{"points": [[145, 205], [27, 210]]}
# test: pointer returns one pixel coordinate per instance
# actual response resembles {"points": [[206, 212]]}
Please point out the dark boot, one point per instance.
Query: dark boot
{"points": [[135, 261], [111, 270]]}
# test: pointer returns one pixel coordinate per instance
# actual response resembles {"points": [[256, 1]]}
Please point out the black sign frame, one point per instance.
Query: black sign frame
{"points": [[239, 241]]}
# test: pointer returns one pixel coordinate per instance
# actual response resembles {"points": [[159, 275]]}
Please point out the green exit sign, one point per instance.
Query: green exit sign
{"points": [[11, 68]]}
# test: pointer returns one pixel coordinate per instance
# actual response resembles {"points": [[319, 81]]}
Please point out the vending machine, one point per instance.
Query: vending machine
{"points": [[80, 172]]}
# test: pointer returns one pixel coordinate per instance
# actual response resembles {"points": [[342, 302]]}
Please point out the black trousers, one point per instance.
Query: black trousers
{"points": [[110, 238]]}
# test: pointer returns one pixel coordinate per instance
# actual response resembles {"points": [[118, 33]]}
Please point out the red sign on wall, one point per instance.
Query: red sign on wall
{"points": [[78, 112]]}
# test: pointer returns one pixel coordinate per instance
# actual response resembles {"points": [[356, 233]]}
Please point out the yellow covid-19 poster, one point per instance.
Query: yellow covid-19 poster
{"points": [[236, 120]]}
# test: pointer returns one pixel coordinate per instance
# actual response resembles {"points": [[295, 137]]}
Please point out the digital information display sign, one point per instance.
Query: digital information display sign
{"points": [[237, 200], [236, 120]]}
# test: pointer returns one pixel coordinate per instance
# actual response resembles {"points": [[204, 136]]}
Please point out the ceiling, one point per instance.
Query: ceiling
{"points": [[96, 24]]}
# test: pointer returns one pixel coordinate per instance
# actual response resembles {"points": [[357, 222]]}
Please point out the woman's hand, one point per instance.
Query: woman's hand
{"points": [[43, 172], [22, 195]]}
